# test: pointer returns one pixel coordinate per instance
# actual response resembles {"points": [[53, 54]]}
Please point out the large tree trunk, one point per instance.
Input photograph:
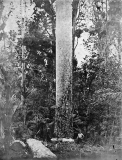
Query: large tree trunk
{"points": [[7, 112], [7, 119], [63, 64]]}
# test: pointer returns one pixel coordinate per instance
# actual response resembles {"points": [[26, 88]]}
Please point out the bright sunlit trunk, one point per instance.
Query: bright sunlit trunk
{"points": [[63, 54]]}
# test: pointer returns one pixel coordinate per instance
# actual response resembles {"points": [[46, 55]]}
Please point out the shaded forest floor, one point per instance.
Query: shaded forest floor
{"points": [[69, 150], [73, 150]]}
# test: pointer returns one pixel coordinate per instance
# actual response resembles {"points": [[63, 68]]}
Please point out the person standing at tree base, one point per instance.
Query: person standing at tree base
{"points": [[79, 137]]}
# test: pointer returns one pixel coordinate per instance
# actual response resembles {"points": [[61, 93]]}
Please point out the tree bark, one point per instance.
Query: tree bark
{"points": [[63, 60]]}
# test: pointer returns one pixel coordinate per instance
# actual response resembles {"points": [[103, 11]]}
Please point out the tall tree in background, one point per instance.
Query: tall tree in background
{"points": [[8, 75]]}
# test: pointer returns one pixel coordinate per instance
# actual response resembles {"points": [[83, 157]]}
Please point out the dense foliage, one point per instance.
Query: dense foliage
{"points": [[96, 82]]}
